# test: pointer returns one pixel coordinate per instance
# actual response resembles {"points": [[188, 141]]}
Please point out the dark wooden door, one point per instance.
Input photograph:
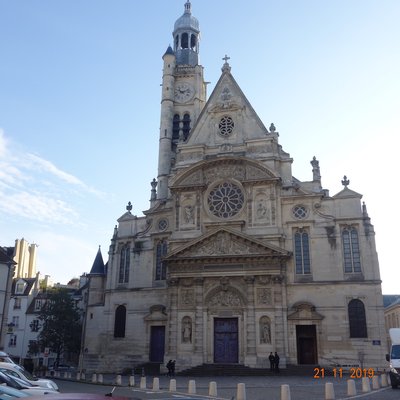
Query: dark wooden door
{"points": [[226, 340], [157, 343], [306, 344]]}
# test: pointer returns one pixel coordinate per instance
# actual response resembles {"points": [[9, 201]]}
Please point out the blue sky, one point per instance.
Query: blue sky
{"points": [[80, 107]]}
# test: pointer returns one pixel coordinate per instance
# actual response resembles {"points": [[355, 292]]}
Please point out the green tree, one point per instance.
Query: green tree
{"points": [[61, 323]]}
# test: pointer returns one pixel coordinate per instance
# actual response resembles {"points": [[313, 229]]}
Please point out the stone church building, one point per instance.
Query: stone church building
{"points": [[235, 257]]}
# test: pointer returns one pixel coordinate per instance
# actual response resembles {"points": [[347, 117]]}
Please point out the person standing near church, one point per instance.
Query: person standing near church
{"points": [[276, 357], [271, 359]]}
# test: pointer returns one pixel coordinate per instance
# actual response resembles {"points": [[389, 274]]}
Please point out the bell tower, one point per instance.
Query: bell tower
{"points": [[183, 94]]}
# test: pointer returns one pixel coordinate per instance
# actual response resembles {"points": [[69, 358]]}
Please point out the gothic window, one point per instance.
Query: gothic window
{"points": [[120, 322], [186, 126], [175, 128], [123, 276], [161, 251], [302, 252], [357, 319], [351, 250], [225, 200]]}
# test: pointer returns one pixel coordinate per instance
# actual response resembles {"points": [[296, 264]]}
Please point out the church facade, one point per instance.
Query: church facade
{"points": [[235, 258]]}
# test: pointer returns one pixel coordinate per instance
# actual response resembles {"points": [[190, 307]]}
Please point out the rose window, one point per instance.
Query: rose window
{"points": [[225, 200], [299, 212], [226, 126]]}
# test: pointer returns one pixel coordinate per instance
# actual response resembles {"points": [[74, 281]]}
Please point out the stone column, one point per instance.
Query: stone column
{"points": [[172, 326], [250, 348], [198, 322]]}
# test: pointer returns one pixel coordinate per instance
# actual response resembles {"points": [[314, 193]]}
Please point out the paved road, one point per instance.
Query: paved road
{"points": [[257, 388]]}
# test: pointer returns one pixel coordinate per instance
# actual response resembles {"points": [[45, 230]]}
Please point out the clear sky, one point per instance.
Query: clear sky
{"points": [[80, 108]]}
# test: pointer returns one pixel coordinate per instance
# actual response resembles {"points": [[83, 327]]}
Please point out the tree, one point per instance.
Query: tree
{"points": [[61, 323]]}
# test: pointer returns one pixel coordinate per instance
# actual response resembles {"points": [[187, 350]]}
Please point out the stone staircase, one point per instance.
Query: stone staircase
{"points": [[242, 370]]}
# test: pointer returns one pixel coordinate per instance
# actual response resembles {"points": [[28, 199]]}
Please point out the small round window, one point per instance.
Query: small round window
{"points": [[226, 126], [299, 212], [162, 224]]}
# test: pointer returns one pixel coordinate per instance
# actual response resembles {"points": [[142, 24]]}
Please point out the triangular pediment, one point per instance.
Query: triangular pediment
{"points": [[223, 243], [347, 193], [227, 100]]}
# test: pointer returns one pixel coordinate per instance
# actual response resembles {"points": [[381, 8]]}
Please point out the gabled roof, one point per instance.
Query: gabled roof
{"points": [[347, 193], [227, 97], [98, 265], [30, 282], [225, 242]]}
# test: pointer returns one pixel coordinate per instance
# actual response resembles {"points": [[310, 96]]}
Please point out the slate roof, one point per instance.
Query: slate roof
{"points": [[98, 265], [390, 299]]}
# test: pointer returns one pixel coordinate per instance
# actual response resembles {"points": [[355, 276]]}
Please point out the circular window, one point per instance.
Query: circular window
{"points": [[226, 126], [225, 200], [299, 212], [162, 224]]}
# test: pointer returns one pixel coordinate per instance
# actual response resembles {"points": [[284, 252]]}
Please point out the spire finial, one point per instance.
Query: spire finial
{"points": [[188, 7], [129, 206], [345, 181]]}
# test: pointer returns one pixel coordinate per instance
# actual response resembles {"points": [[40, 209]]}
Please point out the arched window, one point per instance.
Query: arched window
{"points": [[120, 322], [357, 319], [351, 250], [175, 128], [161, 269], [302, 252], [124, 263], [193, 42], [186, 126], [185, 41]]}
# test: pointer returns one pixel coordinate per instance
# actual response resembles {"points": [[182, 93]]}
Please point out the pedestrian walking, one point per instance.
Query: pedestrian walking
{"points": [[173, 368], [169, 367], [271, 359], [276, 357]]}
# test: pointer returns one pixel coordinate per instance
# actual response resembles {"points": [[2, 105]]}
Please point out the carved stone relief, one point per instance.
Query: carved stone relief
{"points": [[224, 171], [194, 178], [187, 297], [225, 298], [264, 296], [223, 243]]}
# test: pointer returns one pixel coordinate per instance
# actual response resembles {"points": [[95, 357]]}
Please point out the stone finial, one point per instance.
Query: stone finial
{"points": [[272, 128], [153, 184], [226, 67], [129, 206], [345, 181]]}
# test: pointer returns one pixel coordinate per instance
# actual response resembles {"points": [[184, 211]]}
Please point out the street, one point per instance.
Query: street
{"points": [[257, 388]]}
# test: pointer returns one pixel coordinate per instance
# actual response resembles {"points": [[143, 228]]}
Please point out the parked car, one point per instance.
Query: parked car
{"points": [[20, 372], [9, 393], [23, 386], [4, 357]]}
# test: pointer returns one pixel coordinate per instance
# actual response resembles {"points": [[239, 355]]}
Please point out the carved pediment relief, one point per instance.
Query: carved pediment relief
{"points": [[225, 297], [227, 167], [225, 243], [304, 311]]}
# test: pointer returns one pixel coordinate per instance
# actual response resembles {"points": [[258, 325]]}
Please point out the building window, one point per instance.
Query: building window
{"points": [[124, 265], [302, 252], [120, 322], [161, 269], [15, 321], [225, 200], [226, 126], [175, 128], [17, 303], [34, 325], [186, 126], [357, 319], [38, 304], [13, 341], [351, 250], [20, 287]]}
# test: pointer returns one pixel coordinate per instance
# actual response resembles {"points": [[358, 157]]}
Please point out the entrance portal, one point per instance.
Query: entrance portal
{"points": [[157, 343], [226, 343], [306, 344]]}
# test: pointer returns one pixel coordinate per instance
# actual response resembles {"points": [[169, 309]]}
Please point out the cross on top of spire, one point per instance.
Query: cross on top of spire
{"points": [[226, 66]]}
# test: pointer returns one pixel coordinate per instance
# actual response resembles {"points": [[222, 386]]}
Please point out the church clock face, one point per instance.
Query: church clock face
{"points": [[183, 92]]}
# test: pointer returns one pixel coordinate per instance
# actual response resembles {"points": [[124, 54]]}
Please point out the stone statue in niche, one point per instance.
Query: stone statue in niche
{"points": [[187, 330], [265, 330], [188, 216]]}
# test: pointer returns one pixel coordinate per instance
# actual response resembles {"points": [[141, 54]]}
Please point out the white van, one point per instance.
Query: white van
{"points": [[394, 357]]}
